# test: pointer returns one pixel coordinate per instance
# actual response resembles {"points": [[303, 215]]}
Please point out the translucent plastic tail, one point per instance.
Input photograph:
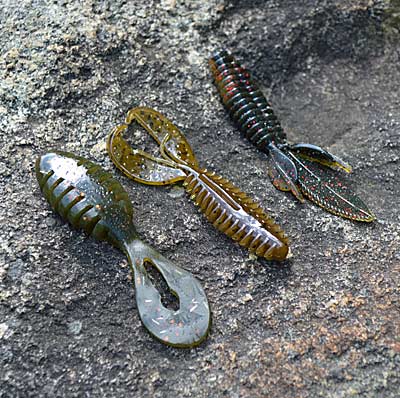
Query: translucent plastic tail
{"points": [[186, 327]]}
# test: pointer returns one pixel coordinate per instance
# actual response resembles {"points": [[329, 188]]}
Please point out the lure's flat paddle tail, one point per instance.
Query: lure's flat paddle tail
{"points": [[224, 205], [324, 187], [91, 199], [298, 168]]}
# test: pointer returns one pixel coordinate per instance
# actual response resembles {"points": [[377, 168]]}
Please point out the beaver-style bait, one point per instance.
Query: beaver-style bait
{"points": [[296, 168], [224, 205], [90, 198]]}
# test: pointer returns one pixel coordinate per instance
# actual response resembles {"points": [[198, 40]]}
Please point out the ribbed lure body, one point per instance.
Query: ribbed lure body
{"points": [[229, 209], [236, 215], [90, 198], [86, 195], [245, 102], [298, 168]]}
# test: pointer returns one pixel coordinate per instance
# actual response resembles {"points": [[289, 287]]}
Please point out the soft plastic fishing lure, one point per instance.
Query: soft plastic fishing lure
{"points": [[90, 198], [298, 168], [225, 206]]}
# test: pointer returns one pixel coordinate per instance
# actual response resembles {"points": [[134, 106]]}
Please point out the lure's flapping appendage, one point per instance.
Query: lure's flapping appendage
{"points": [[186, 327], [141, 166], [326, 188], [164, 132], [224, 205], [283, 172], [90, 198], [287, 168], [319, 155]]}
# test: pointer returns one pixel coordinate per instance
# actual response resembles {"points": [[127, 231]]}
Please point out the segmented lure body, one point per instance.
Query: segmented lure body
{"points": [[90, 198], [297, 168], [85, 195], [236, 215], [245, 103], [224, 205]]}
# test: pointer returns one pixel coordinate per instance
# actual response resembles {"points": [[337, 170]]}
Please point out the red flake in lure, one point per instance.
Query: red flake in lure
{"points": [[299, 168]]}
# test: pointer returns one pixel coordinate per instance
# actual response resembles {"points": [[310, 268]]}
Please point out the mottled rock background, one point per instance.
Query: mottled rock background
{"points": [[324, 323]]}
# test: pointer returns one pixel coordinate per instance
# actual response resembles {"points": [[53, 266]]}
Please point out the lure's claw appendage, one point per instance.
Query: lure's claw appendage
{"points": [[282, 172], [322, 156], [141, 166], [162, 130], [224, 205]]}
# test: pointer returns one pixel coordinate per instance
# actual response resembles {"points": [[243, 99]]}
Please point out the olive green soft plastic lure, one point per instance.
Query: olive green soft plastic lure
{"points": [[90, 198], [224, 205]]}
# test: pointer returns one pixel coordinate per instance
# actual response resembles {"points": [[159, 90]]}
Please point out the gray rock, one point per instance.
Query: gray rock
{"points": [[322, 324], [75, 327]]}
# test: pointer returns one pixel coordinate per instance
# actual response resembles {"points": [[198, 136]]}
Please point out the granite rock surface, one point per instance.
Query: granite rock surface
{"points": [[324, 323]]}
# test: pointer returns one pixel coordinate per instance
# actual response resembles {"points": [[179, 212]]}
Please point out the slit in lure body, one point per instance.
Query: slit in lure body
{"points": [[91, 199], [224, 205], [299, 168]]}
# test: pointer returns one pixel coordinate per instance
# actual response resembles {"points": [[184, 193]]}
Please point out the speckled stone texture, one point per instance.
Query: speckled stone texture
{"points": [[325, 323]]}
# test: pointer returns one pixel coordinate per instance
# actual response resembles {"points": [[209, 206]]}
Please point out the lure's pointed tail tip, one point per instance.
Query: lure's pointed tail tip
{"points": [[370, 217], [342, 166], [363, 214], [348, 168], [360, 216]]}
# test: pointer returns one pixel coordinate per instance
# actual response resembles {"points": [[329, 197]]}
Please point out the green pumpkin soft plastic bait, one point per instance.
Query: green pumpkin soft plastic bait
{"points": [[90, 198], [224, 205]]}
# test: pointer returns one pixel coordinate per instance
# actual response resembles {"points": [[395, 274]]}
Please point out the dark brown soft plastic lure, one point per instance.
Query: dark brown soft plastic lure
{"points": [[90, 198], [224, 205], [299, 168]]}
